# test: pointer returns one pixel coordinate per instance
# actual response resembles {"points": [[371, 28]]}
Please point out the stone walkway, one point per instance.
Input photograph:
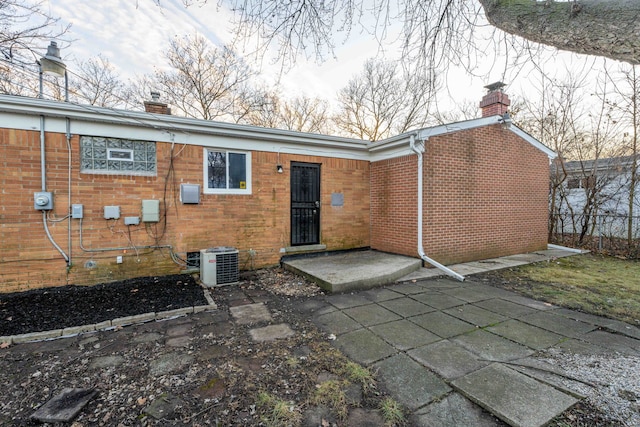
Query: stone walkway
{"points": [[451, 352], [447, 349]]}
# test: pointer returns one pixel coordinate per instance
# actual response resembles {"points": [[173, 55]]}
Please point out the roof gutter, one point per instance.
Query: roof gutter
{"points": [[419, 150]]}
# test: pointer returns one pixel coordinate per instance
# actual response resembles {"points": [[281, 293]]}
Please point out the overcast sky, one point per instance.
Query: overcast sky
{"points": [[132, 35]]}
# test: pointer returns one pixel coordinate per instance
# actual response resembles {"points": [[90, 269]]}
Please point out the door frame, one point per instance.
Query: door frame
{"points": [[313, 207]]}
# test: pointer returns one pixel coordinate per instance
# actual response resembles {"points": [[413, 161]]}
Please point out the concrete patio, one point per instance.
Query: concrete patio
{"points": [[361, 270], [456, 353]]}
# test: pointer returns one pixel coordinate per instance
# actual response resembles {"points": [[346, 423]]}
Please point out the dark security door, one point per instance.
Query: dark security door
{"points": [[305, 204]]}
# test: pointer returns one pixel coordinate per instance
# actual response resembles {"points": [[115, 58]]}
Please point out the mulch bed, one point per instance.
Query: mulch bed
{"points": [[66, 306]]}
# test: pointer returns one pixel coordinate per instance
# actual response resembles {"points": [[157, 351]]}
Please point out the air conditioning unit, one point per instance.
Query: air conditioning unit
{"points": [[218, 266]]}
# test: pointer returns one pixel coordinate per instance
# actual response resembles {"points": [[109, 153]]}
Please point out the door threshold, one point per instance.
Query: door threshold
{"points": [[304, 248]]}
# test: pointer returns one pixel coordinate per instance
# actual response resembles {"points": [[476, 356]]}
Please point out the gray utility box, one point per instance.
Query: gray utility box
{"points": [[219, 266], [43, 200]]}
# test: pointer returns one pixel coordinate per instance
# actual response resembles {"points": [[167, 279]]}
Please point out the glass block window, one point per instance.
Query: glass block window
{"points": [[227, 172], [117, 156]]}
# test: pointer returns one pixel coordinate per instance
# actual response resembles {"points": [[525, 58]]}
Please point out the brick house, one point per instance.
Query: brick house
{"points": [[93, 194]]}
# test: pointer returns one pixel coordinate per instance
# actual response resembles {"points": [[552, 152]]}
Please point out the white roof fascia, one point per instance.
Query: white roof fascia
{"points": [[98, 121], [107, 122], [531, 140], [399, 145]]}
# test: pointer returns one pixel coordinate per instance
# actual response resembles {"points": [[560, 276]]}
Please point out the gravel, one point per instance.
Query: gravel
{"points": [[610, 382]]}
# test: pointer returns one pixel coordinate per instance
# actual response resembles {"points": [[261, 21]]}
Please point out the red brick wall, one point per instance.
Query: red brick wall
{"points": [[394, 205], [259, 221], [485, 195]]}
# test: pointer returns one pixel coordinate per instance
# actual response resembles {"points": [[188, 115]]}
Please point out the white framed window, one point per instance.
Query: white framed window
{"points": [[227, 171]]}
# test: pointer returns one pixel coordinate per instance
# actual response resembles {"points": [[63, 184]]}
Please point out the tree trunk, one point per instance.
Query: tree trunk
{"points": [[608, 28]]}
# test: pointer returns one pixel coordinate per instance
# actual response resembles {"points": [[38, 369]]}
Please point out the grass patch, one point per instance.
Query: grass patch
{"points": [[277, 412], [331, 394], [392, 412], [596, 284], [360, 375]]}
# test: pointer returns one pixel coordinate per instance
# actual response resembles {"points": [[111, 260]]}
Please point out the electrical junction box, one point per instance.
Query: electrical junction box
{"points": [[131, 220], [43, 201], [190, 193], [150, 210], [111, 212], [77, 211]]}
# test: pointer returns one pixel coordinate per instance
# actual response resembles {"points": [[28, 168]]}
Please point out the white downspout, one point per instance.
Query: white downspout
{"points": [[419, 149]]}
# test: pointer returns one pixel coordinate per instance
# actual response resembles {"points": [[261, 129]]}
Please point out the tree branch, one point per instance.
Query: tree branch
{"points": [[595, 27]]}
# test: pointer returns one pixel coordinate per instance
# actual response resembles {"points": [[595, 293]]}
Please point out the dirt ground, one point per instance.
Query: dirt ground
{"points": [[221, 376]]}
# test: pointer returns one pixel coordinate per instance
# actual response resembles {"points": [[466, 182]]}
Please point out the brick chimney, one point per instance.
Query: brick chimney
{"points": [[155, 106], [495, 102]]}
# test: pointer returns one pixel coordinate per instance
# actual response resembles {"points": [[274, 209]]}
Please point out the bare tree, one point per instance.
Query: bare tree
{"points": [[603, 28], [302, 114], [627, 89], [555, 119], [25, 28], [437, 32], [16, 79], [205, 82], [383, 100], [96, 82]]}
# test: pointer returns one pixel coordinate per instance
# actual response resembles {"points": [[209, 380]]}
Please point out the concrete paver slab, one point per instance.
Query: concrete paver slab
{"points": [[584, 348], [438, 300], [447, 359], [407, 288], [506, 308], [515, 398], [364, 346], [615, 342], [106, 362], [406, 307], [65, 406], [549, 374], [624, 329], [342, 301], [148, 337], [164, 406], [181, 341], [404, 335], [271, 333], [453, 411], [558, 324], [421, 274], [250, 313], [475, 315], [538, 305], [442, 324], [491, 291], [412, 384], [442, 283], [369, 315], [583, 317], [528, 335], [337, 323], [468, 294], [469, 268], [492, 347], [380, 294], [170, 363]]}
